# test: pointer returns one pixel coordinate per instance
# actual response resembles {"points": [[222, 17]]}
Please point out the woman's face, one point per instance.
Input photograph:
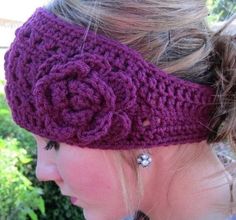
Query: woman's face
{"points": [[85, 174]]}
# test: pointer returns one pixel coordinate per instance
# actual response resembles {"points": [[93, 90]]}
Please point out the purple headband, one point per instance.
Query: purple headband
{"points": [[103, 96]]}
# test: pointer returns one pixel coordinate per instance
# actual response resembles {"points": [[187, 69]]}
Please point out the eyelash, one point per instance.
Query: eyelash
{"points": [[52, 144]]}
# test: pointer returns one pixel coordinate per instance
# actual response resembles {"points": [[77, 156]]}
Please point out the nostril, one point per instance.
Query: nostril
{"points": [[59, 183]]}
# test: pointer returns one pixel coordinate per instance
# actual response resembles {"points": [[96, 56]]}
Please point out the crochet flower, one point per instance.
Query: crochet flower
{"points": [[81, 97]]}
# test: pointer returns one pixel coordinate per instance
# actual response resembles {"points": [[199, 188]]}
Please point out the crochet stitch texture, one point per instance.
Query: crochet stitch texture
{"points": [[103, 96]]}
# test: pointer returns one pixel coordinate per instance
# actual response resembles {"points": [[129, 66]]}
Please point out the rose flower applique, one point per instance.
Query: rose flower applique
{"points": [[82, 97]]}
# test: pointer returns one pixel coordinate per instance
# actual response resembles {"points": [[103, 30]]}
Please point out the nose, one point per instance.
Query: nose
{"points": [[47, 172]]}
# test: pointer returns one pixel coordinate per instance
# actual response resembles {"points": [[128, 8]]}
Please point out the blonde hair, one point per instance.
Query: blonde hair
{"points": [[175, 36]]}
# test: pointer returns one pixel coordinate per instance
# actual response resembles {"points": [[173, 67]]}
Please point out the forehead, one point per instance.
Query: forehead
{"points": [[35, 135], [39, 138]]}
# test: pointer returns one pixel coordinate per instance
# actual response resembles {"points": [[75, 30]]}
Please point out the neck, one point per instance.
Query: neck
{"points": [[191, 192]]}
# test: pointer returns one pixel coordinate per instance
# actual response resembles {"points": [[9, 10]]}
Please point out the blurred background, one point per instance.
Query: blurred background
{"points": [[21, 195], [12, 15]]}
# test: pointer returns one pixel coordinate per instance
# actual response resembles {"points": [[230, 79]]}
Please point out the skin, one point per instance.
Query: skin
{"points": [[87, 174], [90, 175], [189, 195]]}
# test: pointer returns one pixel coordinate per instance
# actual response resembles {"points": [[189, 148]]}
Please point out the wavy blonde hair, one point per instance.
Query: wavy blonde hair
{"points": [[174, 35]]}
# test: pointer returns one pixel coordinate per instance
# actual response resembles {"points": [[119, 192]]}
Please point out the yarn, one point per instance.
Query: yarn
{"points": [[97, 92]]}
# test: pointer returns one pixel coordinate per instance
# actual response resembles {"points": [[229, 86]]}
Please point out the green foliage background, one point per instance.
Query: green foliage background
{"points": [[18, 197], [22, 197], [221, 10]]}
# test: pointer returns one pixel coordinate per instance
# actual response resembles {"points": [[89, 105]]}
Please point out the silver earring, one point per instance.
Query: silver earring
{"points": [[144, 159]]}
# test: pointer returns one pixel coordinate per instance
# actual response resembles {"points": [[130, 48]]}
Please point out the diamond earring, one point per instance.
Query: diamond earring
{"points": [[144, 159]]}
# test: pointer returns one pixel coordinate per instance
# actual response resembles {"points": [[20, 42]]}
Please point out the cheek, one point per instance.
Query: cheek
{"points": [[89, 178]]}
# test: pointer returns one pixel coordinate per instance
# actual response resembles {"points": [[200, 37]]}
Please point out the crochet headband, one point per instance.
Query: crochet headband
{"points": [[96, 92]]}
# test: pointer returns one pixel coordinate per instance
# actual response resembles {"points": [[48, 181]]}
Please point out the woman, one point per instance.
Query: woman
{"points": [[127, 97]]}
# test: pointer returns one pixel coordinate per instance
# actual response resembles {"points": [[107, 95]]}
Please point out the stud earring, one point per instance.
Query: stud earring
{"points": [[144, 159]]}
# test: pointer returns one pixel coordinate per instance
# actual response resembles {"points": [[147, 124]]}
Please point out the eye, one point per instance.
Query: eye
{"points": [[52, 144]]}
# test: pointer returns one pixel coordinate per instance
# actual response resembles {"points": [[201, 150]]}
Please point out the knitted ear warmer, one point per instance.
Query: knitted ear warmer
{"points": [[96, 92]]}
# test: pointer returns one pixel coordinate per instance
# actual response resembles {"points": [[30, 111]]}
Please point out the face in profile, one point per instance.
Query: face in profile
{"points": [[88, 176]]}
